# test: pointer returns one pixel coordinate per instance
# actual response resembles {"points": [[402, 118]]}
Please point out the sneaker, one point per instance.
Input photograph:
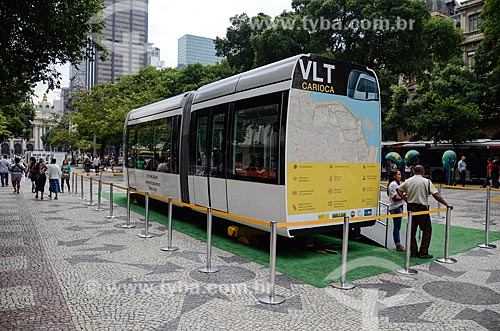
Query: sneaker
{"points": [[400, 248], [55, 198], [425, 256], [36, 196]]}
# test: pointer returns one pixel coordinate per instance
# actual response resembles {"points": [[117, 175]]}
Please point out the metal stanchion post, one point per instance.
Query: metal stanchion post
{"points": [[110, 201], [386, 225], [128, 225], [81, 181], [446, 258], [270, 297], [90, 192], [99, 192], [169, 247], [72, 182], [208, 268], [146, 233], [75, 188], [343, 285], [487, 224], [438, 215], [407, 270]]}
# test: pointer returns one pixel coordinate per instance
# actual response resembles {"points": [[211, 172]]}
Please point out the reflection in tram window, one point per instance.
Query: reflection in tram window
{"points": [[201, 146], [217, 168], [255, 143], [149, 145]]}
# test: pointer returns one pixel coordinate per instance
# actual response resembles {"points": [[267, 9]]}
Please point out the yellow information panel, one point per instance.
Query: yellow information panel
{"points": [[327, 188]]}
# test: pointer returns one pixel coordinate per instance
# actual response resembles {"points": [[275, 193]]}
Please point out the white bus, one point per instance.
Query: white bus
{"points": [[282, 142]]}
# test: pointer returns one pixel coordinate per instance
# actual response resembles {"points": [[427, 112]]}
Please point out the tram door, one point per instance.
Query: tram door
{"points": [[209, 180]]}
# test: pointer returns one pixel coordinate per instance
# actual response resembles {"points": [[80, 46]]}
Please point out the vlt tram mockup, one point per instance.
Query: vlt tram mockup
{"points": [[294, 141]]}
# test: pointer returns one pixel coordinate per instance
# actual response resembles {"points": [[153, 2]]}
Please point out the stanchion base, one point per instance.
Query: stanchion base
{"points": [[491, 223], [111, 216], [90, 204], [98, 209], [487, 246], [208, 270], [407, 271], [343, 285], [446, 260], [143, 235], [128, 226], [169, 248], [271, 300]]}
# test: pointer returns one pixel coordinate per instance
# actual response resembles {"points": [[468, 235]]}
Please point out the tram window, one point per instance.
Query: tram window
{"points": [[255, 140], [162, 145], [201, 145], [143, 151], [217, 167], [131, 146]]}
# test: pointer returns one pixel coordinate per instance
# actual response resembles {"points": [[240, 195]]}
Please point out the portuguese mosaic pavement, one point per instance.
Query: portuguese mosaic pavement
{"points": [[63, 266]]}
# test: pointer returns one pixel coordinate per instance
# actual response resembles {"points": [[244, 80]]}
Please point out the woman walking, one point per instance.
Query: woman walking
{"points": [[17, 171], [396, 207], [66, 175], [32, 174], [54, 174], [42, 178]]}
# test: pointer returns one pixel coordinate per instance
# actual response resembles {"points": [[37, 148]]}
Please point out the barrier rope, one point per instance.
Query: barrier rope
{"points": [[280, 224]]}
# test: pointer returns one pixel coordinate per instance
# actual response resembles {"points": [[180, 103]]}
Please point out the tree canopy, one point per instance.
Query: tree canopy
{"points": [[101, 112], [37, 35]]}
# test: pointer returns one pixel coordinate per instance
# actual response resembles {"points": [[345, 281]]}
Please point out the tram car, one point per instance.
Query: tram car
{"points": [[294, 141]]}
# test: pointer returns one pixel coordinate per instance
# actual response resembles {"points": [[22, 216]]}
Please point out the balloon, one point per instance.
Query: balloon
{"points": [[395, 157], [447, 156], [410, 155]]}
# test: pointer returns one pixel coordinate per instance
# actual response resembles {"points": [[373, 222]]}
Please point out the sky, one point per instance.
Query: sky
{"points": [[169, 20]]}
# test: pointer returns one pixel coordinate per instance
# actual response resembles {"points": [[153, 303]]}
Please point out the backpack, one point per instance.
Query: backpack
{"points": [[35, 171]]}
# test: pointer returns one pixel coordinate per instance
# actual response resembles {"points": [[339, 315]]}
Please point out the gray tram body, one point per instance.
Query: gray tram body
{"points": [[225, 123]]}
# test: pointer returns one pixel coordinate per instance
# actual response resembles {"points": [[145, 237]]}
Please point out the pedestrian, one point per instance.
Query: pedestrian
{"points": [[66, 175], [87, 164], [396, 207], [54, 175], [495, 170], [488, 173], [4, 170], [415, 191], [462, 169], [17, 171], [31, 173], [41, 168], [97, 163]]}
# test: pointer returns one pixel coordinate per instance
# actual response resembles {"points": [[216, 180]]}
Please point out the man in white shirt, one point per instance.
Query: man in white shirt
{"points": [[54, 176], [417, 189], [4, 170], [462, 168]]}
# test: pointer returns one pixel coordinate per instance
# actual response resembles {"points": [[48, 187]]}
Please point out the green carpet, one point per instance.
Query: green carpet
{"points": [[320, 269]]}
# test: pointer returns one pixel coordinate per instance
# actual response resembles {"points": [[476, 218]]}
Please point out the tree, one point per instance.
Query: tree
{"points": [[37, 35], [18, 119], [4, 132], [443, 108], [101, 112]]}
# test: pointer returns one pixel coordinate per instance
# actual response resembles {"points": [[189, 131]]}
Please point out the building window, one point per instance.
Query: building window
{"points": [[475, 22]]}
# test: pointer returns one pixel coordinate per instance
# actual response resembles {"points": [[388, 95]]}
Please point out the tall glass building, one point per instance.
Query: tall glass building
{"points": [[126, 39], [195, 49]]}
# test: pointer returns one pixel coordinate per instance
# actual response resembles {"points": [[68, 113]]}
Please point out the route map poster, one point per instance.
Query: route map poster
{"points": [[340, 175]]}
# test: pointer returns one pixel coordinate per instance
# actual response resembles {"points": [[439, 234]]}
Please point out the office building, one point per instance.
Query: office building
{"points": [[195, 49], [126, 39]]}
